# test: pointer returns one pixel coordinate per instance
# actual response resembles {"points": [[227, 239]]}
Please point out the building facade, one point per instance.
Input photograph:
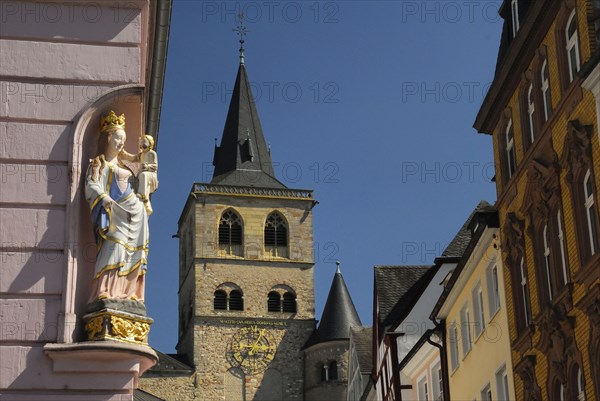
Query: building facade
{"points": [[360, 362], [62, 70], [404, 297], [422, 370], [473, 311], [541, 111]]}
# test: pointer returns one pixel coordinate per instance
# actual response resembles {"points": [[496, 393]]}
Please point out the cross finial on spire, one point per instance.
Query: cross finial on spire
{"points": [[242, 31]]}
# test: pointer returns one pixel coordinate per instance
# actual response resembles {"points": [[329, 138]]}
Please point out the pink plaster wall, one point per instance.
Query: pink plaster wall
{"points": [[58, 61]]}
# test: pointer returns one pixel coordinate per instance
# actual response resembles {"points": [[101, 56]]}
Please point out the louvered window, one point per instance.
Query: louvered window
{"points": [[276, 236], [220, 300], [274, 302], [236, 301], [277, 303], [230, 234], [232, 301], [289, 302]]}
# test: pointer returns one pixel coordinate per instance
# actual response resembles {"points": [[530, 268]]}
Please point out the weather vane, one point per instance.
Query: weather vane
{"points": [[242, 31]]}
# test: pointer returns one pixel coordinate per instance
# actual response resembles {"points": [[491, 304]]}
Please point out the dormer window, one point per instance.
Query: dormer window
{"points": [[572, 46], [514, 12]]}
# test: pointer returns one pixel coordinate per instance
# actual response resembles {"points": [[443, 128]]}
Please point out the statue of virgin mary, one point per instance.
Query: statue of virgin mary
{"points": [[119, 218]]}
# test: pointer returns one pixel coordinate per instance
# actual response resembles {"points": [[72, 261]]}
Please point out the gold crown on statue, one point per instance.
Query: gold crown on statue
{"points": [[112, 121]]}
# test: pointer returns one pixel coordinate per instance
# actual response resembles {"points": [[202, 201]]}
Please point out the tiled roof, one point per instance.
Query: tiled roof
{"points": [[363, 342], [459, 243], [398, 288], [169, 365], [139, 395], [483, 216]]}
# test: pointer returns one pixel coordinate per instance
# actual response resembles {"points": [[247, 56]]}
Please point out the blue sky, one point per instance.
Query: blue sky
{"points": [[370, 104]]}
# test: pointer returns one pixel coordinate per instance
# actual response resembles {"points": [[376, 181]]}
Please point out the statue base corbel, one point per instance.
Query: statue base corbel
{"points": [[109, 324]]}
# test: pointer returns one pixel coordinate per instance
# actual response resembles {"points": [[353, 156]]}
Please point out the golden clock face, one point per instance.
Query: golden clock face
{"points": [[251, 349]]}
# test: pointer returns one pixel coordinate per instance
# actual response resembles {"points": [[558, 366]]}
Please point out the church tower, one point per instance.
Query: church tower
{"points": [[246, 286], [326, 354]]}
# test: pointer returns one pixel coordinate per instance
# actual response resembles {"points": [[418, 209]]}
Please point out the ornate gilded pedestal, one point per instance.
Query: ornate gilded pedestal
{"points": [[117, 325]]}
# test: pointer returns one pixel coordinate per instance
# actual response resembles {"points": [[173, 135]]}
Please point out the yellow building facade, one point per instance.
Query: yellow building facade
{"points": [[475, 313], [544, 125]]}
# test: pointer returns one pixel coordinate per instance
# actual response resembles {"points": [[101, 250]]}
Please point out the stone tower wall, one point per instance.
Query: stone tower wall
{"points": [[206, 334], [315, 357]]}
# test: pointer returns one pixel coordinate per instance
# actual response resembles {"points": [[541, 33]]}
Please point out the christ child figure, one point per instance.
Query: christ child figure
{"points": [[148, 177]]}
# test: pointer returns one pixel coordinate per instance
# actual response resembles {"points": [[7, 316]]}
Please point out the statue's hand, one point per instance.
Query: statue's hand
{"points": [[107, 202]]}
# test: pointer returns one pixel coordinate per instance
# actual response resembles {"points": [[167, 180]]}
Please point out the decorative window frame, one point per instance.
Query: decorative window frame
{"points": [[557, 342], [590, 305], [543, 200], [577, 161], [525, 370], [545, 88], [513, 241], [529, 112], [567, 11], [572, 43], [503, 173], [510, 149]]}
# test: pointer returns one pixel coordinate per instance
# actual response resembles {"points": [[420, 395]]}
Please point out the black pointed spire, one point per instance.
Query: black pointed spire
{"points": [[243, 157], [339, 313]]}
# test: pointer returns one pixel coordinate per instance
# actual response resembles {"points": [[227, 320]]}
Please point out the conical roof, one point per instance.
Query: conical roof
{"points": [[243, 157], [339, 314]]}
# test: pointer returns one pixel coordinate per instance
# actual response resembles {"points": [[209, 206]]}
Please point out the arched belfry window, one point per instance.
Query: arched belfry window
{"points": [[230, 234], [289, 302], [220, 300], [333, 370], [276, 302], [236, 300], [228, 297], [329, 371], [276, 236]]}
